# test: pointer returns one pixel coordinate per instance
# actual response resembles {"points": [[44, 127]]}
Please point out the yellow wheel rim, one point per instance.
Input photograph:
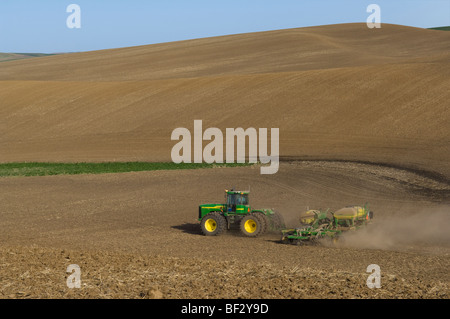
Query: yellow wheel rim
{"points": [[210, 225], [250, 226]]}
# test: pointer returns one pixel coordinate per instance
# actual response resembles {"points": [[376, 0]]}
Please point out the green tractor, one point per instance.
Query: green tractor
{"points": [[317, 224], [216, 218]]}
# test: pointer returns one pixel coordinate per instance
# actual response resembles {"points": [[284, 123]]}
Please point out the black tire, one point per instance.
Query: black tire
{"points": [[251, 225], [213, 224], [276, 222], [265, 222]]}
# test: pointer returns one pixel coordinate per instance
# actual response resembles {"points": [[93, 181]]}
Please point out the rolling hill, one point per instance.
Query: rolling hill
{"points": [[20, 56], [341, 92]]}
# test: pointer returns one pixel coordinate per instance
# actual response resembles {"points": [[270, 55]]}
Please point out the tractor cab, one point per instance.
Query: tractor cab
{"points": [[237, 201]]}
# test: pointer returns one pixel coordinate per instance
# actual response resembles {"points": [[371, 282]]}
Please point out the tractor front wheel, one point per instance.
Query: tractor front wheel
{"points": [[213, 224], [251, 225]]}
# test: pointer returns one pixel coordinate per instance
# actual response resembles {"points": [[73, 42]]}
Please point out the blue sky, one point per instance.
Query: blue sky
{"points": [[40, 26]]}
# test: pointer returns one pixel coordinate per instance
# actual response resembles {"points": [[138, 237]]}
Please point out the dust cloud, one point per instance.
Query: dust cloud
{"points": [[413, 230]]}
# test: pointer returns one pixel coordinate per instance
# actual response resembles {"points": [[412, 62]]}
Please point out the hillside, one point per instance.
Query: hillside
{"points": [[20, 56], [336, 92]]}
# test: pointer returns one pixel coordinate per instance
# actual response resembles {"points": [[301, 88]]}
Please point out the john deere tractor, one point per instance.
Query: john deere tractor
{"points": [[217, 218]]}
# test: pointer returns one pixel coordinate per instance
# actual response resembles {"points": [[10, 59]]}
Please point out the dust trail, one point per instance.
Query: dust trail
{"points": [[413, 230]]}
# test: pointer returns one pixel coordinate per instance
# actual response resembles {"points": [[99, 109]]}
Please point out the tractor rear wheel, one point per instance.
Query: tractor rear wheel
{"points": [[265, 222], [213, 224], [251, 225]]}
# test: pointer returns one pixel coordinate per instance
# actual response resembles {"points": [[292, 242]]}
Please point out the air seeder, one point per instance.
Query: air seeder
{"points": [[317, 225], [216, 218]]}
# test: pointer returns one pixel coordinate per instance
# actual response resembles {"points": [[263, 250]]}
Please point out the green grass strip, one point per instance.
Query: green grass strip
{"points": [[44, 169], [441, 28]]}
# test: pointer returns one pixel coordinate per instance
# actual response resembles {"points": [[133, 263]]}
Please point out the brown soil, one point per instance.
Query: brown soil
{"points": [[136, 235], [336, 92]]}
